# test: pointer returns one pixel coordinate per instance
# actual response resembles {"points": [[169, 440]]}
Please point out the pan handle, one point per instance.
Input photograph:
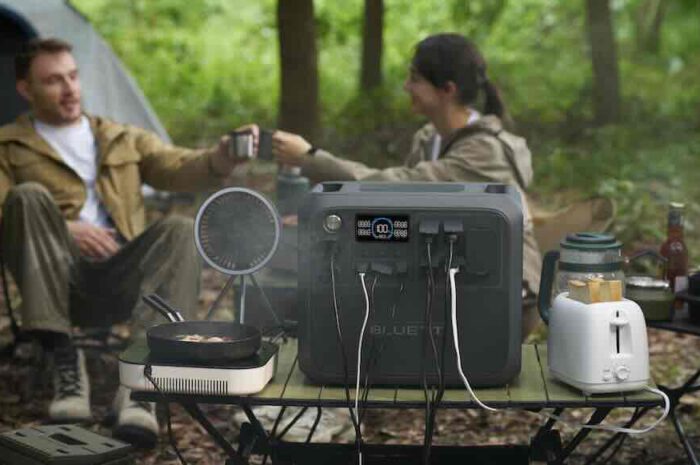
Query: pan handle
{"points": [[163, 303], [153, 301]]}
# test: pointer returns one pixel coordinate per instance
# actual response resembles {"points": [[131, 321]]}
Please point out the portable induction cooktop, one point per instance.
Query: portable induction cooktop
{"points": [[246, 376]]}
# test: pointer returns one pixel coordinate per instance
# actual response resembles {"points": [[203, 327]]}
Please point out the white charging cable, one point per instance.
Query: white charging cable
{"points": [[614, 429], [453, 308], [359, 354], [621, 429]]}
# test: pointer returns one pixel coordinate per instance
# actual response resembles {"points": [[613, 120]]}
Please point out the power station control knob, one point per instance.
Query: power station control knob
{"points": [[332, 223], [622, 372]]}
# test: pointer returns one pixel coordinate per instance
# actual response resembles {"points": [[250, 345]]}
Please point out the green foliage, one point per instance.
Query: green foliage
{"points": [[641, 167], [205, 66], [210, 65]]}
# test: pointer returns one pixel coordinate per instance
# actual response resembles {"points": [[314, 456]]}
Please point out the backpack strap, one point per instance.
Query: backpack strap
{"points": [[469, 131]]}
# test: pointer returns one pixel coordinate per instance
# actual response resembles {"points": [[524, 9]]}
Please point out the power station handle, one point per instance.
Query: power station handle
{"points": [[544, 299]]}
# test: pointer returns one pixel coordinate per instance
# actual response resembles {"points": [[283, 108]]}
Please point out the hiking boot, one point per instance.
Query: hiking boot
{"points": [[71, 402], [136, 421]]}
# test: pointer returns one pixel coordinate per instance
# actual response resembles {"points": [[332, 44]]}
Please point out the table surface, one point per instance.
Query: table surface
{"points": [[533, 388]]}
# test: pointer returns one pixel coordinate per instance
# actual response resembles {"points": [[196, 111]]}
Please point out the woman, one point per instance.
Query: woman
{"points": [[447, 78]]}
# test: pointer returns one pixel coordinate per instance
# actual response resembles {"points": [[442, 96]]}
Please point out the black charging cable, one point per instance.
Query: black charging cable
{"points": [[376, 349], [339, 334], [430, 426], [148, 373], [428, 336]]}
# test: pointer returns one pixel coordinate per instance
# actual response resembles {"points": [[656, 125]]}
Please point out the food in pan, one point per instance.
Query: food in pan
{"points": [[200, 338]]}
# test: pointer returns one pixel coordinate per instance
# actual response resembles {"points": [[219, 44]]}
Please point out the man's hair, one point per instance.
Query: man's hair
{"points": [[34, 48]]}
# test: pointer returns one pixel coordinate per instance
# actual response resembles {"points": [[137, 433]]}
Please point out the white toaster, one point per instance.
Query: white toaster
{"points": [[600, 347]]}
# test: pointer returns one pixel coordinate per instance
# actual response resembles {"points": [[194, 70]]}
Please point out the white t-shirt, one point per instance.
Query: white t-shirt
{"points": [[77, 147], [437, 140]]}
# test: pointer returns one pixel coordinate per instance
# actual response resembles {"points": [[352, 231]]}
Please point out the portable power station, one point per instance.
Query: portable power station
{"points": [[398, 240]]}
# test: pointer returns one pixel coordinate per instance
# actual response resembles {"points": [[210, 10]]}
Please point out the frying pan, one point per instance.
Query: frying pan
{"points": [[165, 343]]}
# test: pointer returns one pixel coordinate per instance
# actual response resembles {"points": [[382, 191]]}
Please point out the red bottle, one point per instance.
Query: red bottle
{"points": [[674, 249]]}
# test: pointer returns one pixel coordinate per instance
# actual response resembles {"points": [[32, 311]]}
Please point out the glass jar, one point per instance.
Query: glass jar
{"points": [[588, 255], [582, 256], [654, 297]]}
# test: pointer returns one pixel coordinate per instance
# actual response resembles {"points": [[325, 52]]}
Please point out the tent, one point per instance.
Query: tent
{"points": [[108, 89]]}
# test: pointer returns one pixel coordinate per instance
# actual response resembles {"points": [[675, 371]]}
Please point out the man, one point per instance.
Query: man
{"points": [[73, 225]]}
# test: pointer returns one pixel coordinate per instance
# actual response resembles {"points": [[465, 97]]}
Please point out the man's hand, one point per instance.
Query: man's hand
{"points": [[93, 241], [221, 161], [289, 149]]}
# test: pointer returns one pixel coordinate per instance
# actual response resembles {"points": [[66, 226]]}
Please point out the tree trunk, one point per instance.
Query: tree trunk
{"points": [[650, 17], [299, 106], [606, 80], [372, 32]]}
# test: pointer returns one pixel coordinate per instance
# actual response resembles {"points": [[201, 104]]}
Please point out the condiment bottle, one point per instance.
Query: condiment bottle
{"points": [[675, 250]]}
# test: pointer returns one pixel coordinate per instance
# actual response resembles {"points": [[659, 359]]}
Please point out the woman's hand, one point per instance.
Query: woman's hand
{"points": [[289, 149]]}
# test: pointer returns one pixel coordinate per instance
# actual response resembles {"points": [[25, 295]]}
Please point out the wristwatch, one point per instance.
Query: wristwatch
{"points": [[312, 150]]}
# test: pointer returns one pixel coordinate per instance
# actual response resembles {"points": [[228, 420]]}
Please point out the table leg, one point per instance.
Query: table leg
{"points": [[546, 445], [683, 438], [256, 438], [674, 396], [598, 415], [196, 413], [639, 413], [257, 426]]}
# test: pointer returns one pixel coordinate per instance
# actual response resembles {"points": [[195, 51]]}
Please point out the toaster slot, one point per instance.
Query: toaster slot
{"points": [[621, 335]]}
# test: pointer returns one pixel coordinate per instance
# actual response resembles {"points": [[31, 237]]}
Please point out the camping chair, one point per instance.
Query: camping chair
{"points": [[14, 326], [592, 215]]}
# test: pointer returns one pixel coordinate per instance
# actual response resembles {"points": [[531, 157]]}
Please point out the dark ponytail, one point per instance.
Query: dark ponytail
{"points": [[452, 57], [493, 102]]}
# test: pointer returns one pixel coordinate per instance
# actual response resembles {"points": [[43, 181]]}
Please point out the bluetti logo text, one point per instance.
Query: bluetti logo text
{"points": [[404, 330]]}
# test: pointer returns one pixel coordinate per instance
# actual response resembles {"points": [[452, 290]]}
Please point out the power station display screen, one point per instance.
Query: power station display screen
{"points": [[381, 228]]}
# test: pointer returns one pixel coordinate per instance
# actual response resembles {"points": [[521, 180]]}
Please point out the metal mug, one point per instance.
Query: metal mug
{"points": [[241, 144]]}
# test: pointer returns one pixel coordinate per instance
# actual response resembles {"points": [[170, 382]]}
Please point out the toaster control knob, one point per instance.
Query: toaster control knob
{"points": [[622, 372], [607, 375]]}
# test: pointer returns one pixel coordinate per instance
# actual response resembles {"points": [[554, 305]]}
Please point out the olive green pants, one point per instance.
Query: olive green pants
{"points": [[60, 288]]}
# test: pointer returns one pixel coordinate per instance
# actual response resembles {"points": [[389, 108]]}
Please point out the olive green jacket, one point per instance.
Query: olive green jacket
{"points": [[481, 152], [128, 157]]}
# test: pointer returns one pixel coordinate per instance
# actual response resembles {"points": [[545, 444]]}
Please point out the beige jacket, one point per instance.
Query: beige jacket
{"points": [[128, 157], [481, 152]]}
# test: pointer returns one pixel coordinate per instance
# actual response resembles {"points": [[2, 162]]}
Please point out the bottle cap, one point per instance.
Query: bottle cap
{"points": [[676, 205]]}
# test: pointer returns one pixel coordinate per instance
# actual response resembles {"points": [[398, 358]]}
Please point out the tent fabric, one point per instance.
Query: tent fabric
{"points": [[108, 89]]}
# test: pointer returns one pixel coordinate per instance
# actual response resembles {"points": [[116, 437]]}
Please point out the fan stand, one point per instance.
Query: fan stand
{"points": [[240, 315]]}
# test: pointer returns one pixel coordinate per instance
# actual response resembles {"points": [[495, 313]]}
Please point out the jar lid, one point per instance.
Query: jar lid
{"points": [[646, 282], [590, 241]]}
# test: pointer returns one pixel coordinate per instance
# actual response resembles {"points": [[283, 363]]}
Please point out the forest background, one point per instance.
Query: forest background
{"points": [[606, 92]]}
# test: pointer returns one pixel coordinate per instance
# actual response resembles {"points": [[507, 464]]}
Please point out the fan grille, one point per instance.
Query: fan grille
{"points": [[237, 231]]}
